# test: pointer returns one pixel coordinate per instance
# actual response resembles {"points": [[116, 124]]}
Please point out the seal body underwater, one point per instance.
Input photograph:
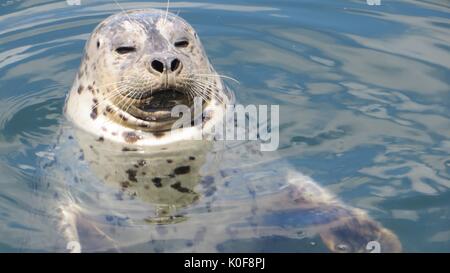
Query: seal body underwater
{"points": [[131, 182]]}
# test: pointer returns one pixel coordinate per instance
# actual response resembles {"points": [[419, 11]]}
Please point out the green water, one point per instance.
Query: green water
{"points": [[363, 92]]}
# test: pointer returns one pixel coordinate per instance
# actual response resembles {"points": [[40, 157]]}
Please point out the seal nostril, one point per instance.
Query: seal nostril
{"points": [[175, 65], [158, 66]]}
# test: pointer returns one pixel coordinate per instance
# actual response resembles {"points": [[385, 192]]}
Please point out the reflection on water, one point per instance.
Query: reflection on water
{"points": [[363, 94]]}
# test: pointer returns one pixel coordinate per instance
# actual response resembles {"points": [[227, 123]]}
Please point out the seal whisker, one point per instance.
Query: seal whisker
{"points": [[113, 93], [140, 83], [218, 75], [197, 89], [167, 11], [101, 101], [117, 3], [125, 79], [195, 85], [208, 86], [124, 100], [204, 86], [197, 93], [130, 101], [119, 92], [130, 98], [212, 94]]}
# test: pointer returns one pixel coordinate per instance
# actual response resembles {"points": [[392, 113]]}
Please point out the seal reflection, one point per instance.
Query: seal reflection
{"points": [[165, 176]]}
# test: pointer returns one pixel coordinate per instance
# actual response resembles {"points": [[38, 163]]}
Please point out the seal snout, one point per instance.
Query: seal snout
{"points": [[167, 65], [166, 69]]}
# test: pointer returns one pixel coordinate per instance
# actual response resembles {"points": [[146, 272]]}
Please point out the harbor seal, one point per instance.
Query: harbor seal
{"points": [[131, 183]]}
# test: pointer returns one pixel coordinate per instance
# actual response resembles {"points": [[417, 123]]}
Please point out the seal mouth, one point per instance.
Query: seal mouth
{"points": [[163, 100], [156, 105]]}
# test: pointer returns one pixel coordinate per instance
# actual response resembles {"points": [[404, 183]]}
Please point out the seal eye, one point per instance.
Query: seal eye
{"points": [[125, 49], [183, 43]]}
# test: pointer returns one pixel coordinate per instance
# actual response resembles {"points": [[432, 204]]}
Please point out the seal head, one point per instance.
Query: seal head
{"points": [[137, 66]]}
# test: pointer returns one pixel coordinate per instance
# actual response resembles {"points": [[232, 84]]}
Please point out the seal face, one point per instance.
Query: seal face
{"points": [[137, 66]]}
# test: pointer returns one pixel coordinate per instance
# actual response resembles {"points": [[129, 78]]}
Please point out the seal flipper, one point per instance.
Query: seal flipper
{"points": [[93, 238], [67, 226], [352, 230], [82, 234], [359, 233], [304, 206]]}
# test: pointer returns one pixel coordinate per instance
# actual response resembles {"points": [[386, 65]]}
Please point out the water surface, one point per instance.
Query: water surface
{"points": [[363, 92]]}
